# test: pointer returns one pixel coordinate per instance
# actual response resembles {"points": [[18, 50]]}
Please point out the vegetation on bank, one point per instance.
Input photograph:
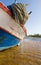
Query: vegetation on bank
{"points": [[35, 35]]}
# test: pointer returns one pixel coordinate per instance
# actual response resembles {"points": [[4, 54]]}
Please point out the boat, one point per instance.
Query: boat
{"points": [[11, 33]]}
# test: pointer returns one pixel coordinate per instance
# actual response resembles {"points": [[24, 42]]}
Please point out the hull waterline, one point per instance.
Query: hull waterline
{"points": [[11, 32]]}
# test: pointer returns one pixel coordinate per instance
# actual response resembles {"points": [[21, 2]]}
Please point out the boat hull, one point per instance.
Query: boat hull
{"points": [[11, 32], [7, 40]]}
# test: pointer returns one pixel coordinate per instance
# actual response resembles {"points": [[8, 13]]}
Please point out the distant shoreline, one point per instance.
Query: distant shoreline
{"points": [[35, 35]]}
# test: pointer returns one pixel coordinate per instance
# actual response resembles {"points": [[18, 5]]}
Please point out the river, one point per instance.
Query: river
{"points": [[33, 38]]}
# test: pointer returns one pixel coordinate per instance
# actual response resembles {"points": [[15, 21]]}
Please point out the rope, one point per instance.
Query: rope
{"points": [[19, 12]]}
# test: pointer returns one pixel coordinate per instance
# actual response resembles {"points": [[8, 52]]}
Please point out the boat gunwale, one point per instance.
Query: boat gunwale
{"points": [[9, 12]]}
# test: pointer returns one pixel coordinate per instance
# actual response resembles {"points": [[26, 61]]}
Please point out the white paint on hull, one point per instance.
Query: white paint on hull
{"points": [[8, 23]]}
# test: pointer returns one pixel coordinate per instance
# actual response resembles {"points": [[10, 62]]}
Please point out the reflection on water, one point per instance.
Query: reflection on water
{"points": [[28, 53], [33, 38]]}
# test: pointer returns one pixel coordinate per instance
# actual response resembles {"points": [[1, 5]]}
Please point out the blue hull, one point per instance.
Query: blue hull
{"points": [[7, 40]]}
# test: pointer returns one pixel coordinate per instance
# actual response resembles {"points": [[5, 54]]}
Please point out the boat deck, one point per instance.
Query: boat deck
{"points": [[28, 53]]}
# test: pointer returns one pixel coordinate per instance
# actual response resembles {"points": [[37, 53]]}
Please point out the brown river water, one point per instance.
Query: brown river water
{"points": [[27, 53]]}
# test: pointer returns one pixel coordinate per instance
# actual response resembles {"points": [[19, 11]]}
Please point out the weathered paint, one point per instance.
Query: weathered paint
{"points": [[10, 32], [9, 24], [7, 40]]}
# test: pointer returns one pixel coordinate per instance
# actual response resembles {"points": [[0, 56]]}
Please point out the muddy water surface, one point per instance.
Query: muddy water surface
{"points": [[28, 53]]}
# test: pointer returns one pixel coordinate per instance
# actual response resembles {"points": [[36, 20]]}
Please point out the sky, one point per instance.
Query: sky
{"points": [[33, 25]]}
